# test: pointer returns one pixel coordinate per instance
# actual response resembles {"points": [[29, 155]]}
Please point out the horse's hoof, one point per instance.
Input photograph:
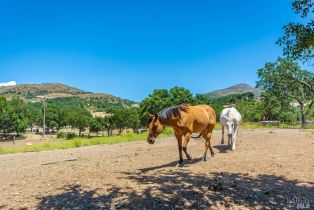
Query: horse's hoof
{"points": [[190, 159], [222, 142], [179, 165], [204, 159], [212, 154]]}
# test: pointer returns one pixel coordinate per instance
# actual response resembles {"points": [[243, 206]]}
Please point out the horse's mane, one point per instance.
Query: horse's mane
{"points": [[174, 111]]}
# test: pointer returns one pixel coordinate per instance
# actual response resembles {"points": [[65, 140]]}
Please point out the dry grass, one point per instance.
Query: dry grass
{"points": [[79, 142]]}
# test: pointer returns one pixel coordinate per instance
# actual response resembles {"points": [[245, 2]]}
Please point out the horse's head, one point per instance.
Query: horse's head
{"points": [[154, 127], [230, 126]]}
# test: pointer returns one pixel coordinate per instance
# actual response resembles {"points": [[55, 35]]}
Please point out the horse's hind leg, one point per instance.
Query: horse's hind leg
{"points": [[186, 140], [207, 136]]}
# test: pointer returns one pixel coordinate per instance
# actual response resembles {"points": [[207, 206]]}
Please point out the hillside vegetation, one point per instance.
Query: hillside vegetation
{"points": [[63, 95]]}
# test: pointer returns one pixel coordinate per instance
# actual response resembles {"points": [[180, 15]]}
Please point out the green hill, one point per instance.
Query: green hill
{"points": [[63, 94]]}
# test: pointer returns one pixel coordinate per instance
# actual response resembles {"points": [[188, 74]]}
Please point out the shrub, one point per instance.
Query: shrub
{"points": [[61, 135], [71, 135], [78, 142]]}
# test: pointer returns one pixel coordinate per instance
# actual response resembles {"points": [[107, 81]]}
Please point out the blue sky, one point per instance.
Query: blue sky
{"points": [[129, 48]]}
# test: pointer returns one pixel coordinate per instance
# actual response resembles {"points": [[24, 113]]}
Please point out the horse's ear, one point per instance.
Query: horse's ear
{"points": [[150, 115], [156, 116]]}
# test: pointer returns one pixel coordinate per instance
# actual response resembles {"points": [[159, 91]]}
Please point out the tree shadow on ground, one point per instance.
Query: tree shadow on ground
{"points": [[11, 137], [180, 189]]}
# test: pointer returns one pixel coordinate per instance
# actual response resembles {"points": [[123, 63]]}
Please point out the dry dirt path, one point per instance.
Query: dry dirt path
{"points": [[271, 168]]}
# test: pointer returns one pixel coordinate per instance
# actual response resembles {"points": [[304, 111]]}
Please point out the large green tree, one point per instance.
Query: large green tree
{"points": [[161, 98], [157, 100], [277, 79], [298, 38], [180, 95]]}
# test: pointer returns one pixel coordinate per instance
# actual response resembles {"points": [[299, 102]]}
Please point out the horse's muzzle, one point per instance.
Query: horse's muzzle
{"points": [[151, 140]]}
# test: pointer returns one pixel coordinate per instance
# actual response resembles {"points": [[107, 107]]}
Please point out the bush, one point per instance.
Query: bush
{"points": [[71, 135], [61, 135], [78, 142]]}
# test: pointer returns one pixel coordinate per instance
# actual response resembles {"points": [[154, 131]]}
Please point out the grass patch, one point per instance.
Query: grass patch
{"points": [[79, 142]]}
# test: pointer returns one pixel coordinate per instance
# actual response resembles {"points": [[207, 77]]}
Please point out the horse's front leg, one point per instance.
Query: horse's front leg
{"points": [[223, 134], [234, 138], [186, 140], [229, 140], [179, 140]]}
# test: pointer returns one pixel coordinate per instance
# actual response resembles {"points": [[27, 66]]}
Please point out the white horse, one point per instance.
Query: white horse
{"points": [[231, 118]]}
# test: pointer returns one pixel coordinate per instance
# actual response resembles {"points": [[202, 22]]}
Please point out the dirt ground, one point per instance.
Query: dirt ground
{"points": [[271, 169]]}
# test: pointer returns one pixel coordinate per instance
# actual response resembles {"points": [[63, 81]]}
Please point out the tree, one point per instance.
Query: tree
{"points": [[6, 125], [56, 116], [34, 116], [250, 110], [277, 79], [298, 38], [133, 119], [95, 125], [271, 106], [79, 118], [18, 115], [156, 101], [120, 117], [108, 124], [180, 95], [52, 116], [201, 99], [274, 109], [161, 98]]}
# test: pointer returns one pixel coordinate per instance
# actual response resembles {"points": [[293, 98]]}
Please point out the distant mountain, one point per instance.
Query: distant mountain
{"points": [[36, 92], [40, 89], [235, 89]]}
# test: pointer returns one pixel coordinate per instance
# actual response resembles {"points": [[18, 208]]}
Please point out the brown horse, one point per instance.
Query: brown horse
{"points": [[185, 120]]}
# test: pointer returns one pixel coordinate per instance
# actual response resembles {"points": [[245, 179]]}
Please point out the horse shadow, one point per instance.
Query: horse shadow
{"points": [[171, 164], [223, 148]]}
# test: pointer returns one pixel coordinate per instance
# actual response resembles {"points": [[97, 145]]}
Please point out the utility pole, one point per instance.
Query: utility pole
{"points": [[44, 119]]}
